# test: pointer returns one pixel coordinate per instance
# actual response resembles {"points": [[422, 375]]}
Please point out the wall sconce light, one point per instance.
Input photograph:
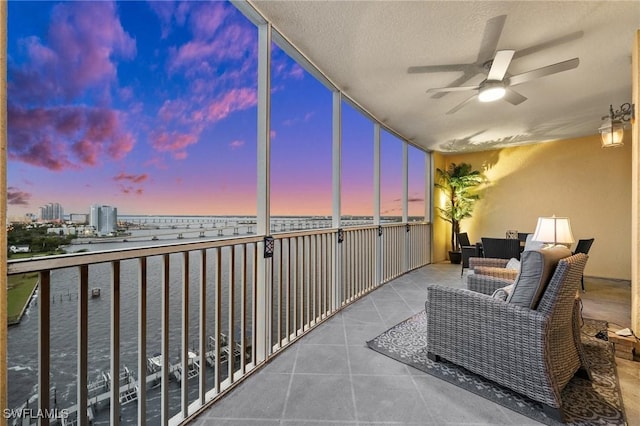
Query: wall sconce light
{"points": [[612, 130]]}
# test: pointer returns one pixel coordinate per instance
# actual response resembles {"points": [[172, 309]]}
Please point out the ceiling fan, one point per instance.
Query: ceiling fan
{"points": [[486, 58], [497, 85]]}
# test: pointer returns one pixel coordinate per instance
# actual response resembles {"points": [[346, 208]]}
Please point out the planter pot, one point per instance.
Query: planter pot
{"points": [[455, 257]]}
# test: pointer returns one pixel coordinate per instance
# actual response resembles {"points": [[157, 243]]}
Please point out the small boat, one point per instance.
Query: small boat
{"points": [[154, 363]]}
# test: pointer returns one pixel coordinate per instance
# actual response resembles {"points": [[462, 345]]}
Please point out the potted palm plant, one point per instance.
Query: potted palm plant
{"points": [[458, 182]]}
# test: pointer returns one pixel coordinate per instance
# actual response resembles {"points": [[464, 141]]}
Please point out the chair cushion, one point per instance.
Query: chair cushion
{"points": [[513, 263], [503, 292], [536, 269], [532, 245]]}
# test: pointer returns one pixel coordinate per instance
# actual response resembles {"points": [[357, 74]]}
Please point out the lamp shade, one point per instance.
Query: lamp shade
{"points": [[612, 133], [554, 230]]}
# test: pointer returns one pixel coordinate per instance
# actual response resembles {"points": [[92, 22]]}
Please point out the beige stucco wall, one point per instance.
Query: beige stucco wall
{"points": [[574, 178]]}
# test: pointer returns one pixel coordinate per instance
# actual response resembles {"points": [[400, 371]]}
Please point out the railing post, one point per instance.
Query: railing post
{"points": [[142, 340], [184, 349], [83, 344], [44, 344], [115, 343]]}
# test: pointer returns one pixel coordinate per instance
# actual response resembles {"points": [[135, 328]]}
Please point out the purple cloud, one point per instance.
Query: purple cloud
{"points": [[17, 197], [66, 137], [131, 178], [77, 56]]}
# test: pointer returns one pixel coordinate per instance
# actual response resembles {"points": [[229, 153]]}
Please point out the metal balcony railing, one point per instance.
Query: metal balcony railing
{"points": [[226, 306]]}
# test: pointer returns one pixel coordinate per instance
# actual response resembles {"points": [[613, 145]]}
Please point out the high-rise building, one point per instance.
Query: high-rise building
{"points": [[104, 219], [52, 212]]}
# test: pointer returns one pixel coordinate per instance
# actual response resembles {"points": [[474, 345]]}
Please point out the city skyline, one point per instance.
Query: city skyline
{"points": [[152, 106]]}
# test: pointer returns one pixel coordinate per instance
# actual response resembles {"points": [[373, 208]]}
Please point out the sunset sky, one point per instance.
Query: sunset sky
{"points": [[151, 107]]}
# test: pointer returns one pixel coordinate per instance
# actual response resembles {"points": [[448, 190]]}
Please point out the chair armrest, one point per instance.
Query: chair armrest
{"points": [[486, 284], [487, 261], [504, 273]]}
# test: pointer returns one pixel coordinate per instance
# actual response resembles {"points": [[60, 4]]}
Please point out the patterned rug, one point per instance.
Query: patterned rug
{"points": [[585, 403]]}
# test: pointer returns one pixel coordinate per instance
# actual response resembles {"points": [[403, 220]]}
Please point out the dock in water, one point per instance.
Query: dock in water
{"points": [[99, 390]]}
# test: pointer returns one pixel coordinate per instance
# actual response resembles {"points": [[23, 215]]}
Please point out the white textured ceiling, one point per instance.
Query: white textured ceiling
{"points": [[366, 48]]}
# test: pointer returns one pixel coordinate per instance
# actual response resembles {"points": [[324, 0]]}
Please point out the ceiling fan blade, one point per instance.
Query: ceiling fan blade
{"points": [[514, 97], [452, 89], [546, 45], [500, 64], [460, 105], [439, 68], [490, 38], [468, 75], [544, 71]]}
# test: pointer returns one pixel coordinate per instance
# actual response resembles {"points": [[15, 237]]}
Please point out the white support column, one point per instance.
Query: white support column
{"points": [[405, 182], [264, 188], [405, 201], [336, 257], [376, 199], [376, 174], [337, 157]]}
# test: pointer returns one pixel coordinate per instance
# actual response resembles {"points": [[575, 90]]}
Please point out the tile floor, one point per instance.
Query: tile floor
{"points": [[330, 377]]}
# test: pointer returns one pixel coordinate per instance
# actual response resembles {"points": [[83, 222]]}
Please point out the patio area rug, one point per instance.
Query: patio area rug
{"points": [[585, 403]]}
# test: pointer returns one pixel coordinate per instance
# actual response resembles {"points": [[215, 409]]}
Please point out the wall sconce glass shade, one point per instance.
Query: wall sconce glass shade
{"points": [[612, 130], [553, 230], [612, 133]]}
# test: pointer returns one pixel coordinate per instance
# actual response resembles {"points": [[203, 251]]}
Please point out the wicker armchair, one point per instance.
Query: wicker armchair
{"points": [[534, 352]]}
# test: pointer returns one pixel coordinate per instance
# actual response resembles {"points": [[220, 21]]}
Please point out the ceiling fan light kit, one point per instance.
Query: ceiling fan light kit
{"points": [[491, 91]]}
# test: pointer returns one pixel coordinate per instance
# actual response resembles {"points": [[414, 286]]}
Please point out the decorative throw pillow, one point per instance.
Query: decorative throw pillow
{"points": [[513, 263], [536, 270], [502, 293]]}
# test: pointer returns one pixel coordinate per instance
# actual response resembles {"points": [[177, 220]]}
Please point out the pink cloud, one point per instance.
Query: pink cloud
{"points": [[173, 142], [83, 40], [17, 197], [236, 144], [131, 190], [212, 41], [272, 134], [296, 72], [156, 162], [208, 18], [233, 100], [172, 110], [86, 151], [132, 178], [66, 137]]}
